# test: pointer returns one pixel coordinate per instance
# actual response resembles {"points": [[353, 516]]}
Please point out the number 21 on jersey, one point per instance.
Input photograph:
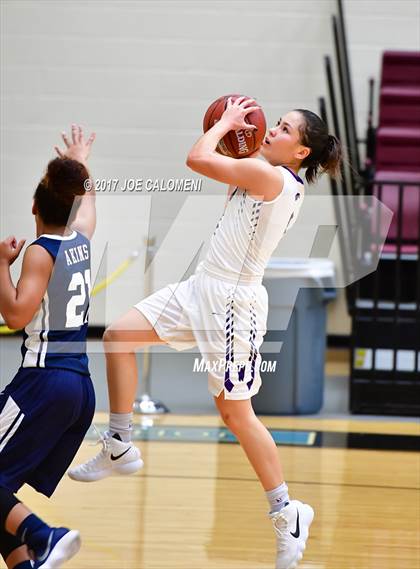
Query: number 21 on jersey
{"points": [[76, 311]]}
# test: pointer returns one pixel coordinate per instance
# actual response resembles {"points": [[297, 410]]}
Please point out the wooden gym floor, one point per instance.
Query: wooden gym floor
{"points": [[198, 505]]}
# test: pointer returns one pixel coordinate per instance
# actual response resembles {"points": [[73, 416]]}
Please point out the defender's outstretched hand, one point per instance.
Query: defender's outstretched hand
{"points": [[78, 148]]}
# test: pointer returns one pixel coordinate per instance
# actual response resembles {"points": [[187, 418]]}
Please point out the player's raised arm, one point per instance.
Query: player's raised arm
{"points": [[79, 149], [250, 174], [18, 304]]}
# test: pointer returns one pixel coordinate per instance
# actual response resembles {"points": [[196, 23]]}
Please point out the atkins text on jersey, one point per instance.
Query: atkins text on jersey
{"points": [[76, 254]]}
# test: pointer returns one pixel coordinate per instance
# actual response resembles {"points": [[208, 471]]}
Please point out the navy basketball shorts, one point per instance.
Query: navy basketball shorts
{"points": [[44, 416]]}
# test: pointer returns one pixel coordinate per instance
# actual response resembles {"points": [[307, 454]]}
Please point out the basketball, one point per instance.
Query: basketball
{"points": [[236, 143]]}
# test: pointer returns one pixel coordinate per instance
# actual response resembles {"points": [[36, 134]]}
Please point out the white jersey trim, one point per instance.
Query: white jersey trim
{"points": [[45, 331], [59, 237], [36, 343], [10, 419], [33, 341]]}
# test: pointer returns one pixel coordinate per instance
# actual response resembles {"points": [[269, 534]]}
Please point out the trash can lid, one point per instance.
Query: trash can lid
{"points": [[286, 267]]}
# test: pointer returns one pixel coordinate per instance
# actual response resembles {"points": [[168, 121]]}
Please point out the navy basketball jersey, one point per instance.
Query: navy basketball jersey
{"points": [[56, 336]]}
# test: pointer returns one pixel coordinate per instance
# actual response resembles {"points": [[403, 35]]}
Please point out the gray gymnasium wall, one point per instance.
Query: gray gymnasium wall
{"points": [[141, 74]]}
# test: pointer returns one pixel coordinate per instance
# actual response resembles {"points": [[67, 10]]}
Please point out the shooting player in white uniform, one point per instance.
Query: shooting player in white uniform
{"points": [[223, 307]]}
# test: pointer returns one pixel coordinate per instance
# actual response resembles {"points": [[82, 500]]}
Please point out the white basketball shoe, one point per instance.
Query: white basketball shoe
{"points": [[291, 525], [116, 457]]}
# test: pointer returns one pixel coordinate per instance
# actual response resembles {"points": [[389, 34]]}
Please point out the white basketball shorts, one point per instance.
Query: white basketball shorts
{"points": [[225, 320]]}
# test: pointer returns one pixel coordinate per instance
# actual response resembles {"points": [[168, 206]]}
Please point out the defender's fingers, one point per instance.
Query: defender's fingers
{"points": [[74, 133], [65, 139], [91, 139]]}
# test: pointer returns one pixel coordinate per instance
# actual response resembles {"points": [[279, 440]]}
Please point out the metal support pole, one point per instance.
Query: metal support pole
{"points": [[146, 405], [345, 228], [348, 82]]}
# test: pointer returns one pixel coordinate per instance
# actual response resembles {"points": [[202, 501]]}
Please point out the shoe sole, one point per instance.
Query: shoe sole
{"points": [[64, 549], [307, 515], [117, 470]]}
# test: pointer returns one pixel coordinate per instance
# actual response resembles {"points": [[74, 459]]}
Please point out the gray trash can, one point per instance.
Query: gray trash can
{"points": [[296, 385]]}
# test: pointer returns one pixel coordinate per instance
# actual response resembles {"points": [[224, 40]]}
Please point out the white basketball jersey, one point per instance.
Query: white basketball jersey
{"points": [[249, 230]]}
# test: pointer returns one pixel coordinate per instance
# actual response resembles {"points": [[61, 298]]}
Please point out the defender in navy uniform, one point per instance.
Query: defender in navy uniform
{"points": [[48, 407]]}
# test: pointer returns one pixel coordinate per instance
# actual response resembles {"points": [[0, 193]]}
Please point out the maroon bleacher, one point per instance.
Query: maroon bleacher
{"points": [[398, 145], [398, 149], [400, 106], [400, 68]]}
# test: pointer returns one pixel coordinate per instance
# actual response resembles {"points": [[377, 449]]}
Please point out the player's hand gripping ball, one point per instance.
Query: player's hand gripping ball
{"points": [[236, 143]]}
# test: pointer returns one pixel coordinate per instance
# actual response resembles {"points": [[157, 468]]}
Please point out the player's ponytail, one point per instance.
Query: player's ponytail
{"points": [[326, 150], [56, 192]]}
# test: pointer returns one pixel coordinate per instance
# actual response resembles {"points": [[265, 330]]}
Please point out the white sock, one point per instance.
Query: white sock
{"points": [[278, 497], [121, 424]]}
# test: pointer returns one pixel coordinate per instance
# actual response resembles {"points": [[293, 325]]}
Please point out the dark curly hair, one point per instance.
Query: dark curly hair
{"points": [[56, 192]]}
